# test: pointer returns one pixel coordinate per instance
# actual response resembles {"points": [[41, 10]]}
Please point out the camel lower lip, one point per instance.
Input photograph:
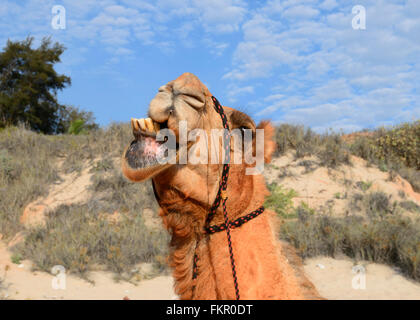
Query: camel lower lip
{"points": [[144, 152]]}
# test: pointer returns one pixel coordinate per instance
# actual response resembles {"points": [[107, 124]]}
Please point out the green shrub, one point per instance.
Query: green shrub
{"points": [[280, 200], [295, 137], [16, 258], [377, 204], [329, 147], [411, 175], [410, 206], [308, 164], [333, 153], [395, 148], [364, 185], [77, 127], [303, 211]]}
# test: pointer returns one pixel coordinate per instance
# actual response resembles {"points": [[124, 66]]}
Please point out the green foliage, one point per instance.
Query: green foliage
{"points": [[280, 200], [303, 211], [401, 142], [29, 85], [16, 258], [75, 121], [364, 185], [393, 149], [77, 127]]}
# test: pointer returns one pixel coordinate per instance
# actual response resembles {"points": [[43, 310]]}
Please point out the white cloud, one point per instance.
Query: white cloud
{"points": [[300, 12], [223, 16], [118, 23], [328, 4], [234, 92], [311, 66], [324, 72]]}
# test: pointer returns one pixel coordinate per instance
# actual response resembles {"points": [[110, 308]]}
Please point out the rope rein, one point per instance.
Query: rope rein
{"points": [[221, 197]]}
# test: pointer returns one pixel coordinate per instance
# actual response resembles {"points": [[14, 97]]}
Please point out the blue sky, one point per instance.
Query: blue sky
{"points": [[289, 61]]}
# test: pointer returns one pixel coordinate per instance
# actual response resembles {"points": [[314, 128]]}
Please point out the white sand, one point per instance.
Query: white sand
{"points": [[335, 280], [24, 284]]}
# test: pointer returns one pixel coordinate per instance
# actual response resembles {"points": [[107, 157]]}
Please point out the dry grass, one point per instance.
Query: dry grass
{"points": [[394, 149], [79, 237], [25, 173], [376, 232], [28, 164], [329, 147], [393, 240], [82, 237], [3, 286]]}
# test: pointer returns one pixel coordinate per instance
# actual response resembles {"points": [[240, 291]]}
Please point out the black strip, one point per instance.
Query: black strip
{"points": [[235, 224]]}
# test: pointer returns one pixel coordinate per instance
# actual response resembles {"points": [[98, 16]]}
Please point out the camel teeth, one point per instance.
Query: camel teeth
{"points": [[134, 124], [142, 124], [145, 124], [149, 125]]}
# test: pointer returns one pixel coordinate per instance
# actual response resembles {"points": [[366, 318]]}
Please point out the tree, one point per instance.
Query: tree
{"points": [[29, 85], [75, 121]]}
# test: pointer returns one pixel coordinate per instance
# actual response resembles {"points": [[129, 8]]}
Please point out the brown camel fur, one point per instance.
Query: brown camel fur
{"points": [[186, 192]]}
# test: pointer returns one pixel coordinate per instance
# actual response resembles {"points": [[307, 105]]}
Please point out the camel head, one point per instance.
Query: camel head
{"points": [[184, 100]]}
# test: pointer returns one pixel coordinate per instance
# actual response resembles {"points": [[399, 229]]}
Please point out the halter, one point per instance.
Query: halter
{"points": [[221, 197]]}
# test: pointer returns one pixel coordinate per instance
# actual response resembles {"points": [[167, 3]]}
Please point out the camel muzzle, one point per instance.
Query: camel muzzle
{"points": [[144, 157]]}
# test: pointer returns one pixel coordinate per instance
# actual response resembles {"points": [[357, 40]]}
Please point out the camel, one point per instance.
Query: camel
{"points": [[201, 263]]}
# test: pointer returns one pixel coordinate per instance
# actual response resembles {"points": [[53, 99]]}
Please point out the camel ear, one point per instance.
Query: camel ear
{"points": [[240, 120], [269, 144]]}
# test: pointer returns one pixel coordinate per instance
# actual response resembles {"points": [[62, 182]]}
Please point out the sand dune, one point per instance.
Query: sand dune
{"points": [[332, 277]]}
